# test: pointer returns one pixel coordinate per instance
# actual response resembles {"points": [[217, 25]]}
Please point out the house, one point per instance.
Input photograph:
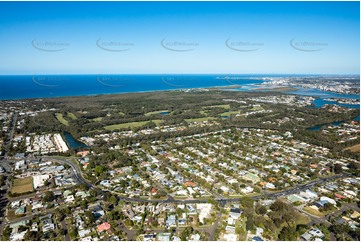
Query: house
{"points": [[235, 213], [328, 200], [18, 236], [20, 210], [230, 229], [154, 190], [163, 236], [230, 237], [269, 186], [82, 233], [306, 236], [316, 233], [105, 183], [39, 181], [83, 153], [205, 210], [190, 184], [103, 227], [70, 199], [195, 237], [171, 221], [339, 196]]}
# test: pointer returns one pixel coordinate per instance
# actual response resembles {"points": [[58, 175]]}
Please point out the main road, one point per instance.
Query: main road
{"points": [[79, 177]]}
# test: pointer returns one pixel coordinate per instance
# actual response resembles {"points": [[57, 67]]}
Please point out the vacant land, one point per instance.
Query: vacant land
{"points": [[22, 185], [355, 148], [61, 119], [131, 124]]}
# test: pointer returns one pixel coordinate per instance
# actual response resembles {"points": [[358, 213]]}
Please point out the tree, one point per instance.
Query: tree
{"points": [[337, 168], [32, 236], [48, 197], [247, 202], [113, 200], [250, 223], [6, 233], [90, 216], [186, 233], [262, 210], [288, 233]]}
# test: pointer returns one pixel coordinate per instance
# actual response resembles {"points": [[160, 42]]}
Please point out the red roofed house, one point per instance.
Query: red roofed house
{"points": [[103, 227], [339, 196], [83, 153], [154, 190], [190, 184]]}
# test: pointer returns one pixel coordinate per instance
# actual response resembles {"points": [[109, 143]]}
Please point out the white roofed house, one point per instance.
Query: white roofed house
{"points": [[39, 180]]}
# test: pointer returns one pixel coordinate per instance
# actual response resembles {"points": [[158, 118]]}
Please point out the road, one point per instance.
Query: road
{"points": [[11, 133], [297, 189], [221, 200]]}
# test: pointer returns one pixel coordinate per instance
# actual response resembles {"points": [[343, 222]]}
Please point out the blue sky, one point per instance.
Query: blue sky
{"points": [[179, 37]]}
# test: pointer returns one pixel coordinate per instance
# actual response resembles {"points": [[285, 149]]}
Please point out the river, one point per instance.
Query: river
{"points": [[73, 143]]}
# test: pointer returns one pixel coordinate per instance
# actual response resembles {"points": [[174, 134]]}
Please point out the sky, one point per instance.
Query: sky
{"points": [[179, 37]]}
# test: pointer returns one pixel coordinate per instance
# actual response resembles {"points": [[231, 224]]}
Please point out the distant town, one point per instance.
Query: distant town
{"points": [[206, 164]]}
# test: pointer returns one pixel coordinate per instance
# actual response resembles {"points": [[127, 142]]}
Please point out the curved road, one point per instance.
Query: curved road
{"points": [[222, 200]]}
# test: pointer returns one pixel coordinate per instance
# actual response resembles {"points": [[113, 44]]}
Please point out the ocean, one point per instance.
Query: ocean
{"points": [[47, 86]]}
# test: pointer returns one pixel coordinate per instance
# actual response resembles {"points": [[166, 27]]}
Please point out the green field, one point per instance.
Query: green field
{"points": [[203, 112], [229, 113], [97, 119], [61, 119], [225, 106], [155, 112], [131, 125], [22, 185], [199, 119], [71, 115]]}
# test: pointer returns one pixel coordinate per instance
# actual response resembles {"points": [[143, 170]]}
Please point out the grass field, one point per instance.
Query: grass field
{"points": [[71, 115], [155, 112], [355, 148], [22, 185], [131, 125], [303, 219], [61, 119], [97, 119], [198, 119], [313, 211], [229, 113], [226, 106]]}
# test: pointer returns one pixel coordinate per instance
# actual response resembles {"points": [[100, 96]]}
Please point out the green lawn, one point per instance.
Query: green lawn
{"points": [[97, 119], [71, 115], [226, 106], [313, 211], [61, 119], [155, 112], [229, 113], [131, 124], [199, 119]]}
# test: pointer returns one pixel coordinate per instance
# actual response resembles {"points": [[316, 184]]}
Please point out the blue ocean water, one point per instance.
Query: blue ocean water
{"points": [[46, 86]]}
